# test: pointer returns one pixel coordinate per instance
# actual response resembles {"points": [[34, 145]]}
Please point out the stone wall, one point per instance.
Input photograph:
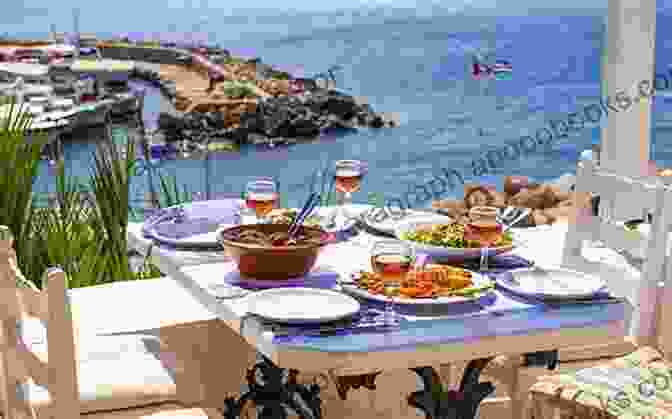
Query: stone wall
{"points": [[151, 55]]}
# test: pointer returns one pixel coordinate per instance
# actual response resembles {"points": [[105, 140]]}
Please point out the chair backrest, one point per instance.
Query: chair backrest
{"points": [[55, 370], [636, 198]]}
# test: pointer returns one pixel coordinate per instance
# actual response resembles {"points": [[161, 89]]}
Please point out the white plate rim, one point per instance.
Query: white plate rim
{"points": [[385, 226], [355, 290], [513, 288], [355, 305]]}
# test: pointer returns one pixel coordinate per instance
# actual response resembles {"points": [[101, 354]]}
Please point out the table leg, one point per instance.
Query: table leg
{"points": [[273, 390], [438, 403]]}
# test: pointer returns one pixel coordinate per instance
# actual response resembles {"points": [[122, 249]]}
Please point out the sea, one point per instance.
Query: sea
{"points": [[411, 62]]}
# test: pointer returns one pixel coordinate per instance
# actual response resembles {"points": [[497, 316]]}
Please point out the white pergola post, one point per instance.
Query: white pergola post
{"points": [[630, 59]]}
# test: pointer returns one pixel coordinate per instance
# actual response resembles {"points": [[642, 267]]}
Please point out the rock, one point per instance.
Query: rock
{"points": [[255, 138], [305, 128], [377, 122]]}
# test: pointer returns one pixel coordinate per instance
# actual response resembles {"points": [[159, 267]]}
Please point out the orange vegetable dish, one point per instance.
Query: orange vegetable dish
{"points": [[432, 281]]}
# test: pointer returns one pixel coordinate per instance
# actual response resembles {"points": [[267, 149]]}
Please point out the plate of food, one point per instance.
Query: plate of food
{"points": [[435, 284], [451, 241], [386, 221]]}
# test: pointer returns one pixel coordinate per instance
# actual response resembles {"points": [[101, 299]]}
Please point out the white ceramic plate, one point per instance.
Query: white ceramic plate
{"points": [[551, 282], [479, 281], [389, 224], [440, 253], [301, 305]]}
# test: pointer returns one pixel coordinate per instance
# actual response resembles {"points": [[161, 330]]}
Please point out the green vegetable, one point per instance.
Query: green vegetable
{"points": [[449, 235], [469, 291]]}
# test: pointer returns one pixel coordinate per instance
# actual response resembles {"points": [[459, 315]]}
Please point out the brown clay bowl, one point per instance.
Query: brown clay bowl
{"points": [[272, 262]]}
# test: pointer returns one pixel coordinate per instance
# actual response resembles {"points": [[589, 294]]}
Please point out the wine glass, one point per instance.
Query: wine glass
{"points": [[486, 229], [348, 177], [392, 260], [261, 196]]}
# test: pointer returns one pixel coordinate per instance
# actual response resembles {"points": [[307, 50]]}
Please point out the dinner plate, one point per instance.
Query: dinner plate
{"points": [[301, 305], [202, 221], [389, 224], [551, 283], [478, 279], [440, 253]]}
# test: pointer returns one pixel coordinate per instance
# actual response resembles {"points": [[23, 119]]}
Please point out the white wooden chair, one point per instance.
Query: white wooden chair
{"points": [[635, 198], [41, 382], [650, 295]]}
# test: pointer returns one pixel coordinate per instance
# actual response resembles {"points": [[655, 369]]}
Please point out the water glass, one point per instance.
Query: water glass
{"points": [[261, 196], [392, 260], [348, 177]]}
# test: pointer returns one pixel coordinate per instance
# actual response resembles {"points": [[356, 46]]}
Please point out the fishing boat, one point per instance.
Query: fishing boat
{"points": [[500, 70]]}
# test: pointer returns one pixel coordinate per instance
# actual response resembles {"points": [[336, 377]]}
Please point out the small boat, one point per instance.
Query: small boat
{"points": [[500, 70]]}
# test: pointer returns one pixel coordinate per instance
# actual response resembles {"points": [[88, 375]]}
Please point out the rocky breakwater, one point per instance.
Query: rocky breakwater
{"points": [[286, 119], [275, 120], [167, 87]]}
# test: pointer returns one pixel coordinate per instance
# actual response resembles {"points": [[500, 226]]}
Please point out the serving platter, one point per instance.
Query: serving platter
{"points": [[479, 281], [440, 253], [301, 305]]}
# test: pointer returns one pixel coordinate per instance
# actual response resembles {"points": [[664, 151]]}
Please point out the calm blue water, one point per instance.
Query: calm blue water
{"points": [[415, 66]]}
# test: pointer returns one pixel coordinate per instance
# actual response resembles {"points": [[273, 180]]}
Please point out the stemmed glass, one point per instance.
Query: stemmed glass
{"points": [[392, 260], [261, 196], [348, 177], [486, 230]]}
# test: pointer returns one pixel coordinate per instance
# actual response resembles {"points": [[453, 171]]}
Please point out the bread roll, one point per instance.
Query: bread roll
{"points": [[478, 197], [558, 213], [559, 194], [498, 199], [566, 203], [539, 218], [454, 208]]}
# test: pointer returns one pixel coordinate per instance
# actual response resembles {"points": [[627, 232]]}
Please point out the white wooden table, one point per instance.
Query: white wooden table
{"points": [[197, 272]]}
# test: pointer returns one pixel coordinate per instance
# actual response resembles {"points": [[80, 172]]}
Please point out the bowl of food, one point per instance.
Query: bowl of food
{"points": [[265, 252], [450, 241]]}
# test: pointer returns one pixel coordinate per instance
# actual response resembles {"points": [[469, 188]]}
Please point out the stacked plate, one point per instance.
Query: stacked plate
{"points": [[552, 283]]}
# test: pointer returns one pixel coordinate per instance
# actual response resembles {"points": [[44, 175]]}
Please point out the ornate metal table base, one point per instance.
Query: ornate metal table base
{"points": [[275, 393], [461, 404]]}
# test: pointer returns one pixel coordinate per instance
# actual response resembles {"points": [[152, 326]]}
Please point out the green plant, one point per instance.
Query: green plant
{"points": [[238, 90], [19, 165], [110, 182], [170, 193], [233, 60], [280, 75], [66, 236], [325, 187]]}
